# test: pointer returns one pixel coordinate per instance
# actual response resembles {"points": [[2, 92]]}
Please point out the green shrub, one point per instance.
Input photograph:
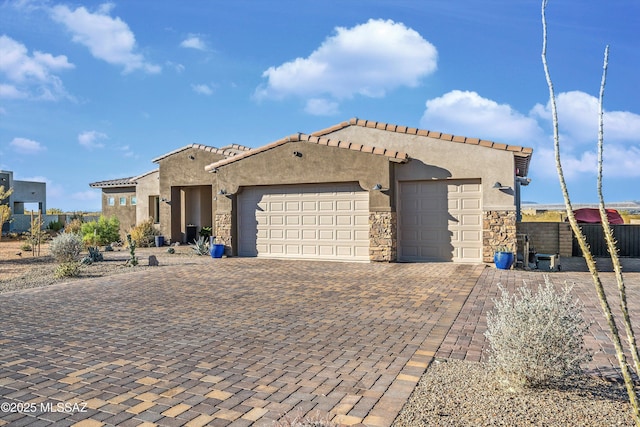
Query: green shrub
{"points": [[536, 338], [67, 269], [144, 234], [66, 247], [171, 251], [26, 246], [55, 226], [101, 232]]}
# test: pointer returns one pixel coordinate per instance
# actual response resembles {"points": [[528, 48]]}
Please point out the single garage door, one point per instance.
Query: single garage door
{"points": [[440, 221], [327, 221]]}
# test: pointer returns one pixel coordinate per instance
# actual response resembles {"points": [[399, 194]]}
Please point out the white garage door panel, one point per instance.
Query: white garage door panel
{"points": [[304, 221], [440, 220]]}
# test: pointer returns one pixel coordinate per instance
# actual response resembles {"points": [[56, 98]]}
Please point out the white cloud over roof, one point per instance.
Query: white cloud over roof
{"points": [[369, 59], [469, 114], [107, 38]]}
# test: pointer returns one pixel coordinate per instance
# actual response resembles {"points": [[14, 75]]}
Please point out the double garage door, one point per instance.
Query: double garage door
{"points": [[319, 221], [440, 221]]}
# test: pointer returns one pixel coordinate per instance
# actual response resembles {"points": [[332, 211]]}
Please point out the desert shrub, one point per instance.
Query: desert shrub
{"points": [[75, 226], [67, 269], [133, 259], [66, 247], [144, 233], [101, 232], [171, 251], [536, 337], [26, 246], [94, 254], [201, 246], [55, 226]]}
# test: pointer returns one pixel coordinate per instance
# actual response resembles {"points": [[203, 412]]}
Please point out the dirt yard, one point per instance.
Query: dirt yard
{"points": [[22, 269]]}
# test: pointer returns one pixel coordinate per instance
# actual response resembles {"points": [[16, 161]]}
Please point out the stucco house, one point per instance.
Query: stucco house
{"points": [[357, 191]]}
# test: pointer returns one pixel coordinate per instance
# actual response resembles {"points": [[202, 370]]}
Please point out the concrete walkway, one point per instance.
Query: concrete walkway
{"points": [[229, 342]]}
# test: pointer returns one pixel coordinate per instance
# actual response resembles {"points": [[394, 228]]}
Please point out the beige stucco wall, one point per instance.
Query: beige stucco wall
{"points": [[183, 169], [148, 185], [315, 164], [438, 159], [126, 214]]}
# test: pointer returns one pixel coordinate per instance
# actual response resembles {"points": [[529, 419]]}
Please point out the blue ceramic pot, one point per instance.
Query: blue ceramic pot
{"points": [[503, 260]]}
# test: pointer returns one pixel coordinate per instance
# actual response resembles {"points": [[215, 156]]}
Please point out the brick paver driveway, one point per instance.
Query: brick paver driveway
{"points": [[226, 342]]}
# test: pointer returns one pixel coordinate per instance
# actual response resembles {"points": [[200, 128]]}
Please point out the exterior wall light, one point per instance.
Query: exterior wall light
{"points": [[297, 154], [378, 187], [222, 192], [498, 186]]}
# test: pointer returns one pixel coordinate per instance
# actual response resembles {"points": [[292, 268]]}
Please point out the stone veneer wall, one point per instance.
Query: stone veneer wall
{"points": [[223, 231], [382, 236], [498, 229]]}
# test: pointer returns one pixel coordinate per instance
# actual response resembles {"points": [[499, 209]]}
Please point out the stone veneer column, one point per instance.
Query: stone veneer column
{"points": [[223, 231], [498, 229], [382, 236]]}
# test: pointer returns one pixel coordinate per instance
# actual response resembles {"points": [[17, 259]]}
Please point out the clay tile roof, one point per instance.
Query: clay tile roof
{"points": [[522, 154], [227, 151], [395, 156], [119, 182]]}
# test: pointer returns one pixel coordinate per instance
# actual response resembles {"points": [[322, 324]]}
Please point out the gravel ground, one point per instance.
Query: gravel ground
{"points": [[34, 272], [460, 393]]}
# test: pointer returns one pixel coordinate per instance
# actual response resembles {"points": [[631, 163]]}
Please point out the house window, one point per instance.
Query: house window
{"points": [[111, 201], [134, 200], [154, 208], [123, 201]]}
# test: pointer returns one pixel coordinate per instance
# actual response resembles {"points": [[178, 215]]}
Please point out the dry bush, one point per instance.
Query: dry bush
{"points": [[536, 337]]}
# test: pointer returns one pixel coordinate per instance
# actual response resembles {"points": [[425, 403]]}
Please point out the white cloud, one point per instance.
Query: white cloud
{"points": [[468, 114], [26, 146], [202, 89], [179, 68], [321, 107], [107, 38], [90, 139], [89, 195], [11, 92], [29, 73], [578, 118], [194, 42], [369, 59]]}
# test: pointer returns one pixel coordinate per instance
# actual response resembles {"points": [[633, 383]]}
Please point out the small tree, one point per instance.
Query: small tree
{"points": [[5, 210]]}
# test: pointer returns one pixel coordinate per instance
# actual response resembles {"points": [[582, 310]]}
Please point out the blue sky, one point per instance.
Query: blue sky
{"points": [[95, 90]]}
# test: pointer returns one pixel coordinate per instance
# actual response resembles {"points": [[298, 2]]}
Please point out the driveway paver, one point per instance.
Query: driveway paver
{"points": [[227, 342]]}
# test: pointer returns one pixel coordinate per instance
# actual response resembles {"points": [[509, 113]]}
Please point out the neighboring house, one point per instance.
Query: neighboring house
{"points": [[178, 195], [360, 190], [23, 192]]}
